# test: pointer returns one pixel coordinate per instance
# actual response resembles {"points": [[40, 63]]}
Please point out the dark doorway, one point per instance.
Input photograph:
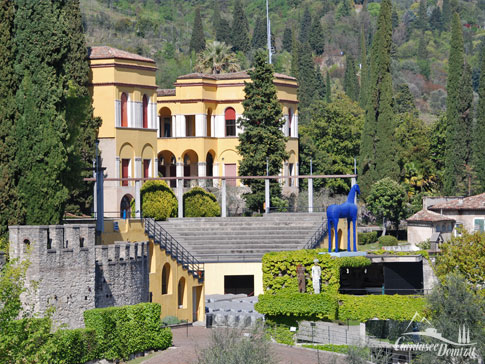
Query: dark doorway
{"points": [[403, 278], [239, 284]]}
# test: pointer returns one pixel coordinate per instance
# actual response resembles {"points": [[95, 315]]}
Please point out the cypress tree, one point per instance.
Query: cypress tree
{"points": [[305, 27], [9, 213], [351, 84], [221, 25], [377, 157], [82, 126], [395, 18], [260, 34], [262, 137], [41, 130], [422, 22], [295, 51], [363, 70], [317, 38], [479, 132], [435, 21], [453, 156], [306, 78], [446, 13], [197, 42], [328, 91], [287, 39], [320, 87], [240, 29], [465, 129]]}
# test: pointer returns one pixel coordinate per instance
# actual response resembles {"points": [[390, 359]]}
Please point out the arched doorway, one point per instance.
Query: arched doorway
{"points": [[181, 299], [125, 206], [167, 166], [166, 286], [209, 117], [209, 167], [165, 127], [191, 165], [145, 112]]}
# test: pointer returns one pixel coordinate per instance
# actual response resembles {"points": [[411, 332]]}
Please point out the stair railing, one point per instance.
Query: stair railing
{"points": [[317, 236], [174, 248]]}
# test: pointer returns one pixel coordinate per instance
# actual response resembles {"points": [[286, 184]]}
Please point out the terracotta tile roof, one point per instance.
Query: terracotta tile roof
{"points": [[428, 216], [105, 52], [229, 76], [166, 92], [476, 202]]}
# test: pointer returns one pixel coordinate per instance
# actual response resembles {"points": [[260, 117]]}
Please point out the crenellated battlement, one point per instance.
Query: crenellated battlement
{"points": [[121, 252]]}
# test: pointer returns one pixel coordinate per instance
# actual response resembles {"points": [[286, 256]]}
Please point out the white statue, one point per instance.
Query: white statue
{"points": [[316, 273]]}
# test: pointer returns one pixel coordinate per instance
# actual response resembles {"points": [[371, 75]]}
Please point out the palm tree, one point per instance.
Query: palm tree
{"points": [[217, 58]]}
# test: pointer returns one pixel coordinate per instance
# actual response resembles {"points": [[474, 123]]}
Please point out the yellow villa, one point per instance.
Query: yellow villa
{"points": [[187, 131]]}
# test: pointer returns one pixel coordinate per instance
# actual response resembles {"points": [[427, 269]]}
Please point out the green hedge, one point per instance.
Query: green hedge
{"points": [[367, 238], [125, 330], [300, 305], [388, 240], [70, 347], [383, 307], [158, 200], [279, 269], [200, 203]]}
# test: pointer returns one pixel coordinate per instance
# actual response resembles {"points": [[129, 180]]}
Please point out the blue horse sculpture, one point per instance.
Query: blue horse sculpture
{"points": [[335, 212]]}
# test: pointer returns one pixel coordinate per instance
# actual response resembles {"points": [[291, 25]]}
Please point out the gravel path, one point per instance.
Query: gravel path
{"points": [[188, 342]]}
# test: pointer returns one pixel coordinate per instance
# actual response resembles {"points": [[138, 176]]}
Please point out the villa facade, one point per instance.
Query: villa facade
{"points": [[189, 131]]}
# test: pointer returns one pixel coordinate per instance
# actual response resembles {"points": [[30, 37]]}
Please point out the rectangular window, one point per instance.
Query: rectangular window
{"points": [[189, 125], [167, 127], [458, 227], [146, 168], [230, 127], [480, 225], [125, 171]]}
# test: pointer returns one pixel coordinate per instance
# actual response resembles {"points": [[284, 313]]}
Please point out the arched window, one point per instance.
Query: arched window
{"points": [[166, 279], [145, 111], [230, 117], [124, 110], [181, 293], [290, 117]]}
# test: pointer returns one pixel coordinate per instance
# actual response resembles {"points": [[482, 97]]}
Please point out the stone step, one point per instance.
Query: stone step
{"points": [[243, 235], [274, 217]]}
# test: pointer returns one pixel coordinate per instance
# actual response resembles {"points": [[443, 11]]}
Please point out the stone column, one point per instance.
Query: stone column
{"points": [[215, 173], [180, 189], [155, 168], [223, 199], [174, 126], [201, 166], [137, 199], [310, 194], [267, 196], [201, 125]]}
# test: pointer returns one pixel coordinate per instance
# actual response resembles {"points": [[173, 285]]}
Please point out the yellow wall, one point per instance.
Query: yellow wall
{"points": [[132, 230], [342, 229], [215, 272]]}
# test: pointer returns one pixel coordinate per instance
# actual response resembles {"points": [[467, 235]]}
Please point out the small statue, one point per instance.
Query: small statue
{"points": [[300, 273], [316, 273]]}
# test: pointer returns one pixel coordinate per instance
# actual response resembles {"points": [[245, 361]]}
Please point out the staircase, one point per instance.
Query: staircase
{"points": [[245, 239], [161, 237]]}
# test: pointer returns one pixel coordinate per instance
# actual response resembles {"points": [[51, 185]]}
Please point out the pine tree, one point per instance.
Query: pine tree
{"points": [[363, 70], [83, 127], [262, 138], [41, 131], [351, 84], [197, 42], [479, 132], [240, 29], [305, 27], [287, 39], [328, 91], [317, 38], [306, 79], [422, 22], [453, 154], [377, 159], [9, 214], [446, 14], [259, 39]]}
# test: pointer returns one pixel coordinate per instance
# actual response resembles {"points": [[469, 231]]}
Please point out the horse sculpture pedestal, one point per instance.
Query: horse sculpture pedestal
{"points": [[346, 210]]}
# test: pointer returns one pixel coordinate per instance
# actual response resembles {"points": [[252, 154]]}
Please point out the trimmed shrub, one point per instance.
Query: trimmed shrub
{"points": [[70, 347], [367, 238], [279, 269], [125, 330], [200, 203], [158, 200], [388, 240], [382, 307], [300, 305]]}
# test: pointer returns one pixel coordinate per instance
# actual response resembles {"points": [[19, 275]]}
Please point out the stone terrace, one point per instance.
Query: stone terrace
{"points": [[233, 239]]}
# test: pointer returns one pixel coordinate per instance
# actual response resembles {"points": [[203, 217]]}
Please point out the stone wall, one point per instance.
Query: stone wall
{"points": [[69, 274], [2, 260], [121, 274], [61, 274]]}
